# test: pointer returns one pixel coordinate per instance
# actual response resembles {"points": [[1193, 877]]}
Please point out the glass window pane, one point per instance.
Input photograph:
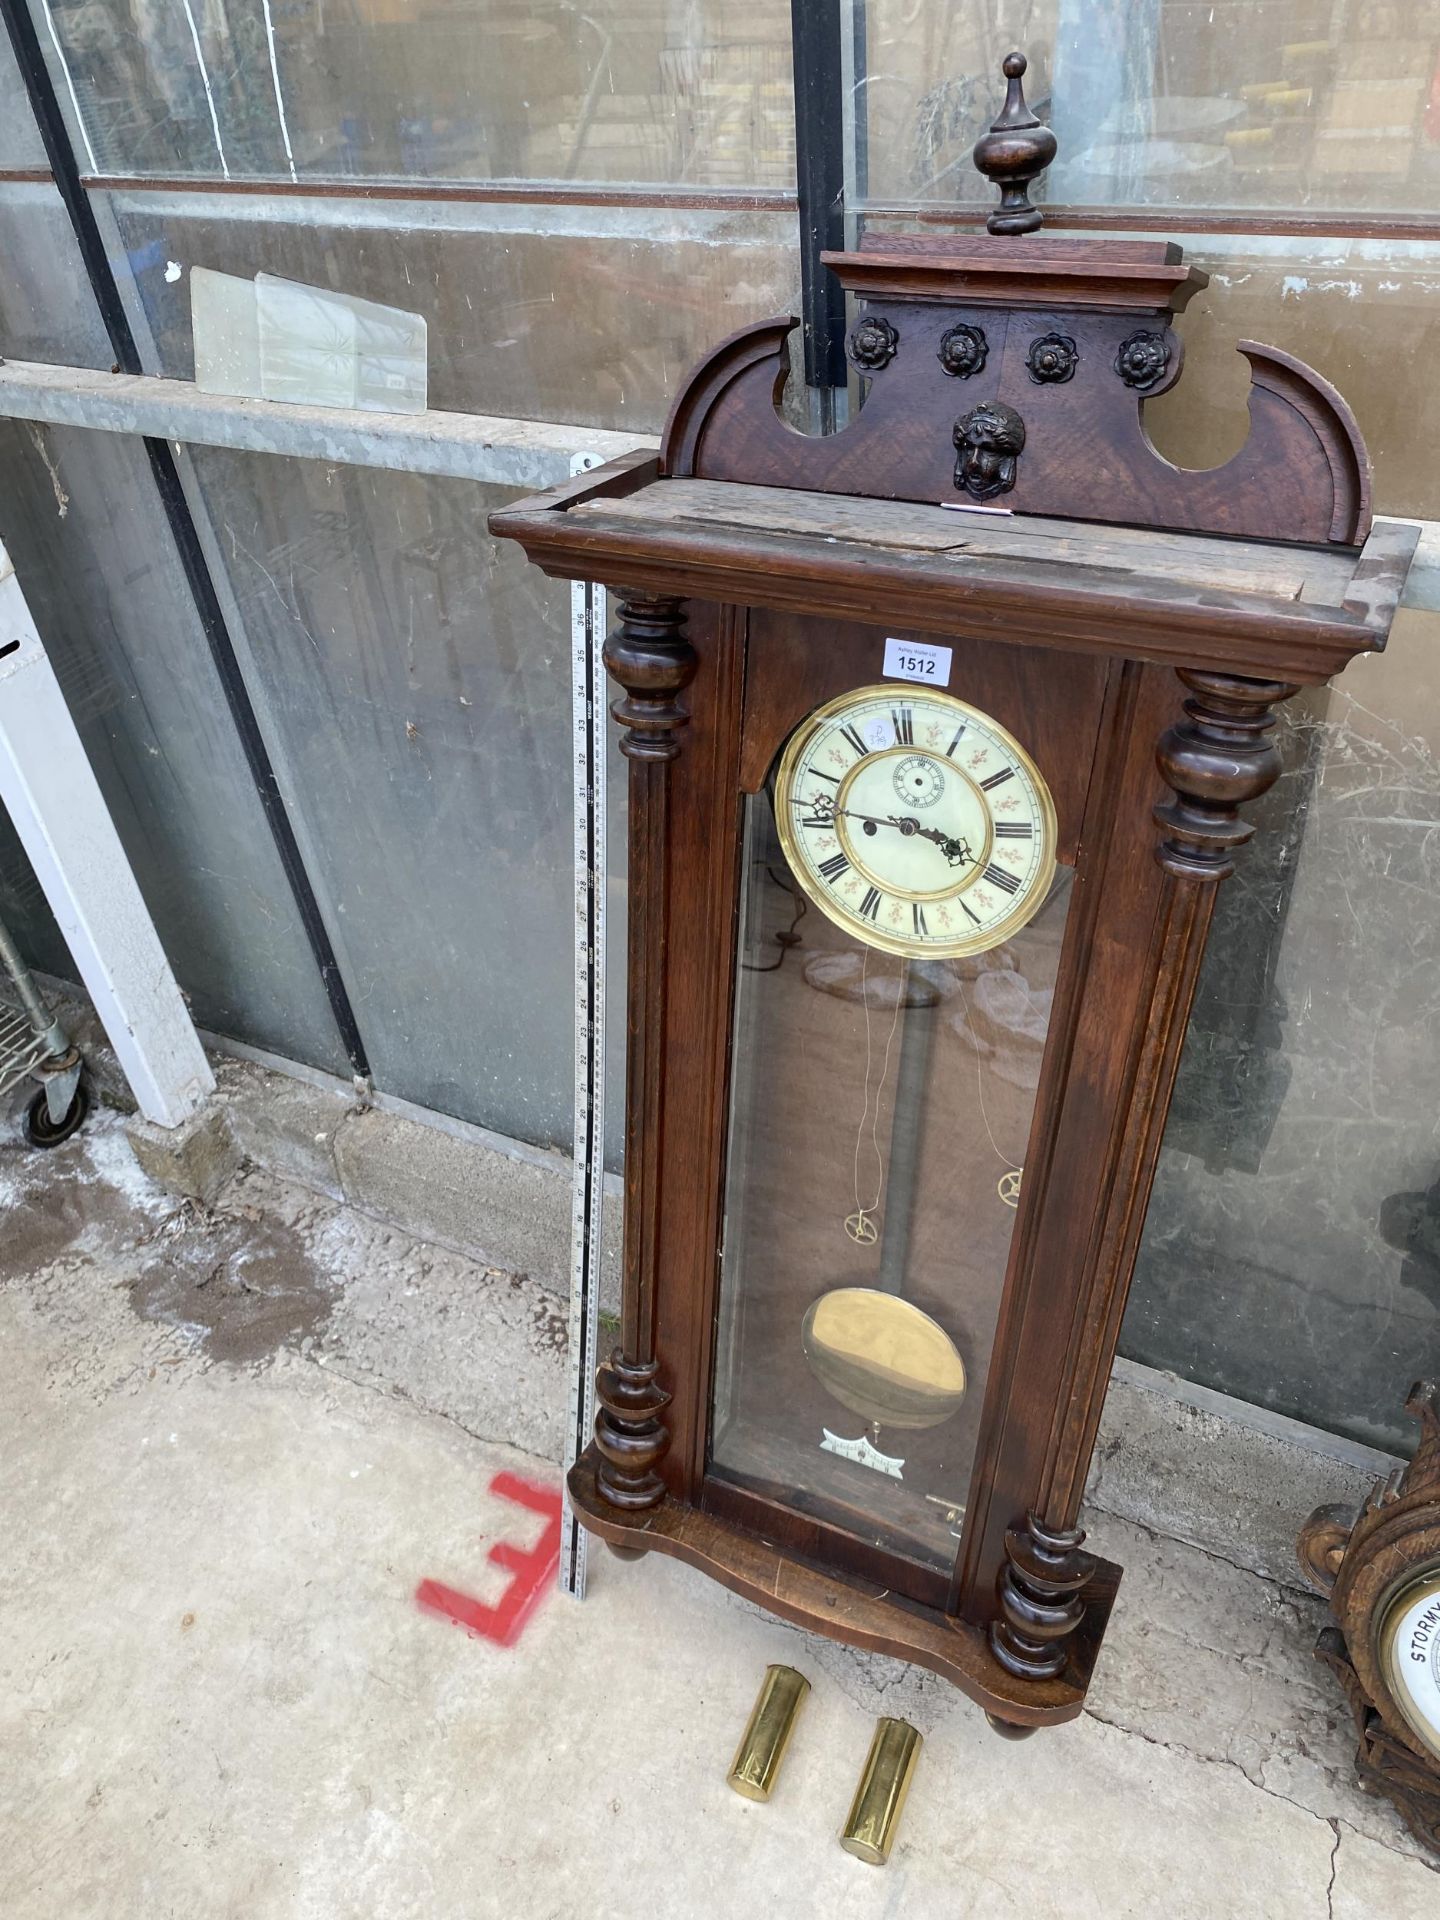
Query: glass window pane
{"points": [[47, 311], [852, 1361], [20, 142], [1305, 105], [83, 525], [1292, 1253], [413, 678], [625, 91], [591, 315]]}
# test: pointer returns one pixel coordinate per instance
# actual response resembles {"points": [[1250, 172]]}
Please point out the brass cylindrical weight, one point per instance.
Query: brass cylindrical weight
{"points": [[758, 1758], [869, 1832]]}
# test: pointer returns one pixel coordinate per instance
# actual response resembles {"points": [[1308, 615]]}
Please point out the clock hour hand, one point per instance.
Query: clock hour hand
{"points": [[957, 852]]}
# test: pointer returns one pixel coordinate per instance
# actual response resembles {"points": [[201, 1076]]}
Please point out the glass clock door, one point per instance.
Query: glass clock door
{"points": [[881, 1100]]}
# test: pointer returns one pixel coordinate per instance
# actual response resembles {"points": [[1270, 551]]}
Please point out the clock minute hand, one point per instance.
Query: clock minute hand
{"points": [[957, 852], [866, 819]]}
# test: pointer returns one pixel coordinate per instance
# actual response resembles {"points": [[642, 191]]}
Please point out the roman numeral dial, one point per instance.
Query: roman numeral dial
{"points": [[915, 822]]}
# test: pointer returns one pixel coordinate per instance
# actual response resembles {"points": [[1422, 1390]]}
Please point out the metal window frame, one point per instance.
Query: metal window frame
{"points": [[170, 415]]}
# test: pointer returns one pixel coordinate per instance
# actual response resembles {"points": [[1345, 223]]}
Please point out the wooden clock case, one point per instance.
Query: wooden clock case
{"points": [[1135, 626]]}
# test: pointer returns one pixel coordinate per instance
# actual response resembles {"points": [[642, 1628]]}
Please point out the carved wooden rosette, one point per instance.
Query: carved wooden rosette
{"points": [[653, 662], [1039, 1591], [1362, 1561]]}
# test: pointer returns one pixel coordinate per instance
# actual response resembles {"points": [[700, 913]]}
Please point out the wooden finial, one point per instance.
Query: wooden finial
{"points": [[1015, 150]]}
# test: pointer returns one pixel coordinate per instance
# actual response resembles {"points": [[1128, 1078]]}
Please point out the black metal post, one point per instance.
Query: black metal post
{"points": [[820, 183], [46, 107]]}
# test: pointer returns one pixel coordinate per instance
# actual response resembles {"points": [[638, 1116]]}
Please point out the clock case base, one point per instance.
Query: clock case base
{"points": [[856, 1613]]}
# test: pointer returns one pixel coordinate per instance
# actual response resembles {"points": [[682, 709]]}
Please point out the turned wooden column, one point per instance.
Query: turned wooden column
{"points": [[653, 662], [1218, 756], [1216, 759], [1040, 1590]]}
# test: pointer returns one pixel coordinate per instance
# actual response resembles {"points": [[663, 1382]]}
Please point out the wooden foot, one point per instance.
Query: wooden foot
{"points": [[626, 1553], [1009, 1729]]}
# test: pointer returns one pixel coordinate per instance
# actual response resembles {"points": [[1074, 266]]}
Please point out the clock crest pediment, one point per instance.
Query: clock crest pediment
{"points": [[1085, 453]]}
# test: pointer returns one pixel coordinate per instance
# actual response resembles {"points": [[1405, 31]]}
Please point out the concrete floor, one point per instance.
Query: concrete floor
{"points": [[232, 1443]]}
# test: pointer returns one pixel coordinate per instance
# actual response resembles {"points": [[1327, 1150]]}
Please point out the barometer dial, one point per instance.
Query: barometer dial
{"points": [[1410, 1652]]}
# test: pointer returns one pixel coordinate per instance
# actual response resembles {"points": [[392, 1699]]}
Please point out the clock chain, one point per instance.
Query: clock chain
{"points": [[1008, 1185]]}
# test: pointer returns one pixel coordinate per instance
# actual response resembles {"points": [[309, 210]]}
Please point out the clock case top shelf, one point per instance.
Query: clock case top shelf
{"points": [[1293, 612], [1134, 626]]}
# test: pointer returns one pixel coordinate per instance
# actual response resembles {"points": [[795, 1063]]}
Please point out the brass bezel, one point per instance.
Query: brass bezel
{"points": [[911, 948]]}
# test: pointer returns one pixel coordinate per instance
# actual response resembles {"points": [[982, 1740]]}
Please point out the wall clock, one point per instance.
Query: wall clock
{"points": [[939, 730], [1380, 1569]]}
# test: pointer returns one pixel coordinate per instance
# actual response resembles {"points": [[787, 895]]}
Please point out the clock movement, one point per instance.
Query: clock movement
{"points": [[939, 732]]}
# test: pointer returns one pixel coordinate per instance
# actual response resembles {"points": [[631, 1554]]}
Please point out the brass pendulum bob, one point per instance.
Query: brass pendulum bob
{"points": [[883, 1358]]}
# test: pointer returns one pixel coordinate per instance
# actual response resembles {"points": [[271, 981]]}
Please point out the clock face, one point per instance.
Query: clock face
{"points": [[915, 822], [1410, 1655]]}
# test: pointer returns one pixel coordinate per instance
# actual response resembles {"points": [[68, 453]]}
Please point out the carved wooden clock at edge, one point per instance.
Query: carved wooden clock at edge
{"points": [[940, 731], [1380, 1569]]}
